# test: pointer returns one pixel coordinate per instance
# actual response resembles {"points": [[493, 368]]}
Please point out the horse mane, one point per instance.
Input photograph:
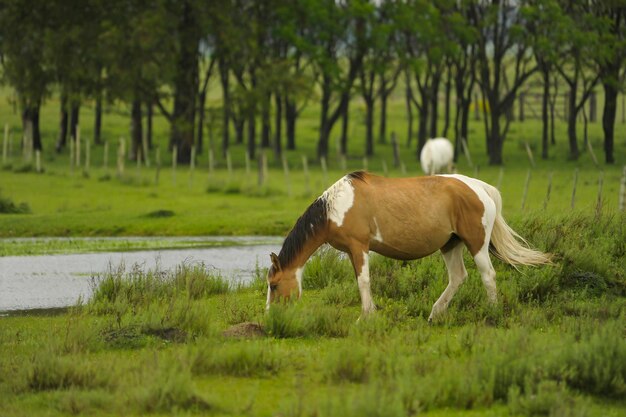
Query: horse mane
{"points": [[308, 225], [357, 175]]}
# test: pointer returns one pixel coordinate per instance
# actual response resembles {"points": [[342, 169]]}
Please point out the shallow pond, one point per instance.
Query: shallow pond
{"points": [[60, 280]]}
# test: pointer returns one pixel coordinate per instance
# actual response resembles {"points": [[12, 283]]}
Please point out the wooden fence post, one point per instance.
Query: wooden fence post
{"points": [[305, 169], [72, 154], [466, 152], [286, 171], [5, 144], [622, 191], [324, 169], [396, 152], [87, 157], [500, 176], [599, 199], [526, 185], [174, 163], [192, 166], [548, 191], [158, 165], [247, 157], [105, 156], [38, 161], [529, 152], [77, 146], [573, 201], [593, 154]]}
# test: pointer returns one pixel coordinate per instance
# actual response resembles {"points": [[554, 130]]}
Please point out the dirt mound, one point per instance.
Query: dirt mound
{"points": [[244, 330]]}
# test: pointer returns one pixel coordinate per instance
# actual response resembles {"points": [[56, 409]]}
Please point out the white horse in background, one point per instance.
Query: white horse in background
{"points": [[437, 156]]}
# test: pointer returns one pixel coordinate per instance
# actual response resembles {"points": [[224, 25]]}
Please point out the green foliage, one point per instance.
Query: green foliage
{"points": [[325, 267]]}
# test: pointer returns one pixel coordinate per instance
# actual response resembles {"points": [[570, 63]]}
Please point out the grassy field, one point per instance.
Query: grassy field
{"points": [[154, 342]]}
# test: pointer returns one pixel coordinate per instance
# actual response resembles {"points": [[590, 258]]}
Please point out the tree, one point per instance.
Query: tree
{"points": [[337, 51], [610, 61], [579, 46], [502, 46], [22, 42]]}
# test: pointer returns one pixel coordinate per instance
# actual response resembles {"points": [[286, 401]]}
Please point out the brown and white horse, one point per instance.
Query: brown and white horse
{"points": [[402, 218]]}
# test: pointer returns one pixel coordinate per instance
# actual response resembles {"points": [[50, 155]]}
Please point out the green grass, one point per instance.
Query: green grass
{"points": [[151, 341]]}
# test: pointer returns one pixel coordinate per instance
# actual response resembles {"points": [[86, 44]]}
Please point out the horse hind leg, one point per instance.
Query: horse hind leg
{"points": [[456, 275], [487, 273]]}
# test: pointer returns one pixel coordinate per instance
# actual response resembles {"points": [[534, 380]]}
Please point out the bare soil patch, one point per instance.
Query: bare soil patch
{"points": [[244, 330]]}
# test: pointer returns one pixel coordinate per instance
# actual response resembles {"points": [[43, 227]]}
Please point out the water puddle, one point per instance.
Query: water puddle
{"points": [[55, 281]]}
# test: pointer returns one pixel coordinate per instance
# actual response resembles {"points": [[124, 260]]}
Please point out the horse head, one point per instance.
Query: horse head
{"points": [[282, 283]]}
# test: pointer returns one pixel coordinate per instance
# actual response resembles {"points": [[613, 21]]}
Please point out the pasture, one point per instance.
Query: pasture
{"points": [[153, 341]]}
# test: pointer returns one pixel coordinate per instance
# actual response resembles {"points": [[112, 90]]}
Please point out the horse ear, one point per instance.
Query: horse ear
{"points": [[275, 261]]}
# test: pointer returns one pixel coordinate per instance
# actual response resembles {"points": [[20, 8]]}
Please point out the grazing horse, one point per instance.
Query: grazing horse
{"points": [[437, 156], [402, 218]]}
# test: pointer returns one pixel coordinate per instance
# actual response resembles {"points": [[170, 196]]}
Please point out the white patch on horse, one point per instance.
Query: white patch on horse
{"points": [[299, 279], [479, 188], [364, 285], [339, 199], [378, 236], [267, 303]]}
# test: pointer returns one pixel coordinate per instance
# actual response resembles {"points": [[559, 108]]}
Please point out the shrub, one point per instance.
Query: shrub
{"points": [[7, 206], [348, 363]]}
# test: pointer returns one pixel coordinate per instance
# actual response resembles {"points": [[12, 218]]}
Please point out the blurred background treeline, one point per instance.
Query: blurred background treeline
{"points": [[241, 72]]}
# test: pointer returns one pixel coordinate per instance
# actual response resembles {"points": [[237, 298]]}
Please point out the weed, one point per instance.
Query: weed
{"points": [[51, 372]]}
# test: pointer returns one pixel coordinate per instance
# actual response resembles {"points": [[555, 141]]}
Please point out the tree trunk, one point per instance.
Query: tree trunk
{"points": [[149, 109], [200, 136], [382, 129], [239, 122], [369, 126], [422, 127], [448, 88], [434, 103], [544, 114], [136, 132], [97, 126], [64, 120], [291, 114], [251, 134], [278, 118], [186, 82], [36, 132], [226, 105], [608, 120], [265, 121], [571, 124], [322, 143], [495, 139], [345, 122], [74, 116], [409, 111]]}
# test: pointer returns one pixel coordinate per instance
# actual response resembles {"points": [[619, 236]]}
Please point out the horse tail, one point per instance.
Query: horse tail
{"points": [[507, 244]]}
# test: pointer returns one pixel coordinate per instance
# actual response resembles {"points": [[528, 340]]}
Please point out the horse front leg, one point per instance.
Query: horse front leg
{"points": [[359, 255]]}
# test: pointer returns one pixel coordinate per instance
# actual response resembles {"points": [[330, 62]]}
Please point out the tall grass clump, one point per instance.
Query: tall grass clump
{"points": [[167, 387], [287, 321], [249, 359], [325, 267], [348, 364], [548, 398], [596, 364], [139, 288], [49, 371]]}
